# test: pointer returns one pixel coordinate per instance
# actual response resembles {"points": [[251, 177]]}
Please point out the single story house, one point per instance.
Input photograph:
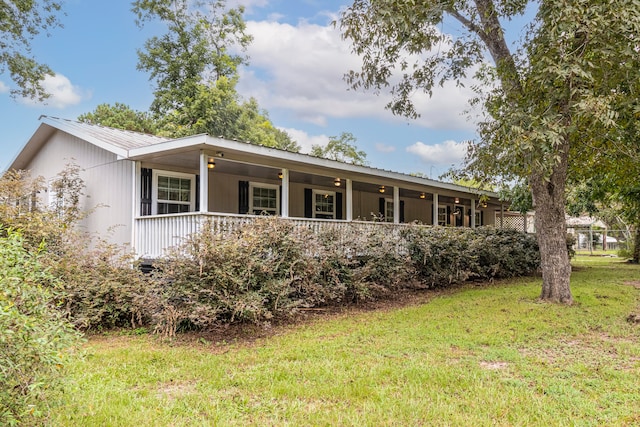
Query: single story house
{"points": [[151, 192]]}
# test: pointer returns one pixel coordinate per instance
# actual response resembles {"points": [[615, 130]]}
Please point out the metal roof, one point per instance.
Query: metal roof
{"points": [[119, 138], [135, 145]]}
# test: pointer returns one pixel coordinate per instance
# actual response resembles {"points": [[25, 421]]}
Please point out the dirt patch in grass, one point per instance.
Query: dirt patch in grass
{"points": [[634, 283], [494, 366], [175, 390]]}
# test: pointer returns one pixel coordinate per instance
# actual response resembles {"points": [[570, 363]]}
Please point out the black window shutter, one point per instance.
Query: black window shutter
{"points": [[308, 203], [402, 211], [280, 199], [146, 178], [481, 218], [448, 215], [198, 193], [338, 205], [243, 197], [381, 207]]}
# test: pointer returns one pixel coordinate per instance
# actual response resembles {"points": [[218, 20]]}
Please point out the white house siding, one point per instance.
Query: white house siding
{"points": [[107, 180]]}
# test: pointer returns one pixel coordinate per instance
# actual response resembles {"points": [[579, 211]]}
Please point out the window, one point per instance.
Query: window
{"points": [[478, 218], [324, 204], [174, 192], [264, 199], [442, 215], [388, 210]]}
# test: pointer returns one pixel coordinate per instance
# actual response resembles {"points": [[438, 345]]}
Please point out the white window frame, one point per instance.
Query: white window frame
{"points": [[442, 216], [55, 201], [388, 207], [323, 193], [170, 174], [479, 219], [253, 185]]}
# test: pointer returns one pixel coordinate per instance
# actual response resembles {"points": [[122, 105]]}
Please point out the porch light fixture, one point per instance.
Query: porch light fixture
{"points": [[336, 182], [456, 200], [280, 175], [211, 163], [483, 204], [423, 196], [381, 189]]}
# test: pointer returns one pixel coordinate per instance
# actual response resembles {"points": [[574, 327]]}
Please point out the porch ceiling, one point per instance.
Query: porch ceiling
{"points": [[233, 163]]}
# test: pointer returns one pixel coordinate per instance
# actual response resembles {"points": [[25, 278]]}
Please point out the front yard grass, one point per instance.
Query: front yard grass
{"points": [[485, 354]]}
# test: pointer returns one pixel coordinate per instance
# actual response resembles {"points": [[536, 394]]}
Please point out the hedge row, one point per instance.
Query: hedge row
{"points": [[272, 268]]}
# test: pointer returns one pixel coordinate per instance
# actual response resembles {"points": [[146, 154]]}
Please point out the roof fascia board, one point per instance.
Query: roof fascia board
{"points": [[282, 158]]}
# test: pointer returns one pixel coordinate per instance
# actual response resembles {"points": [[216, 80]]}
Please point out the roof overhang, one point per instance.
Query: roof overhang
{"points": [[276, 158]]}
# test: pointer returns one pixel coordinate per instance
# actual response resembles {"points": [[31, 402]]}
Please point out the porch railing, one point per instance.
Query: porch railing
{"points": [[155, 234]]}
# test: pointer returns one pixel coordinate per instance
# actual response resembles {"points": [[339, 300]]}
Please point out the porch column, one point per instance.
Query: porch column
{"points": [[349, 213], [204, 182], [396, 205], [472, 217], [501, 215], [435, 209], [284, 210], [137, 195]]}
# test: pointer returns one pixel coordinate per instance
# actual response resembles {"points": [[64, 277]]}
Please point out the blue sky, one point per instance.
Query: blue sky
{"points": [[297, 63]]}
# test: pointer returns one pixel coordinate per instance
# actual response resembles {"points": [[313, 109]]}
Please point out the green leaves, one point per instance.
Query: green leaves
{"points": [[193, 51], [35, 339], [21, 21], [341, 148]]}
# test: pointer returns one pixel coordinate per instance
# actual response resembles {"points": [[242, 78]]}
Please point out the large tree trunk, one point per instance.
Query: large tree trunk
{"points": [[551, 230], [636, 246]]}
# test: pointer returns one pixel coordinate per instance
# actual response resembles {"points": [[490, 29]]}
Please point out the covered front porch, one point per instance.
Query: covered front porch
{"points": [[183, 183]]}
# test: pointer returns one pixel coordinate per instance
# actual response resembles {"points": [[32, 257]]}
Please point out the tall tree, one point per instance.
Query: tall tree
{"points": [[556, 93], [194, 50], [121, 116], [217, 109], [21, 21], [196, 72], [341, 148]]}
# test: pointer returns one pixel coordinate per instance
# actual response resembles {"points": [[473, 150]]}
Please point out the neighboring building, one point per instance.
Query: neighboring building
{"points": [[150, 192]]}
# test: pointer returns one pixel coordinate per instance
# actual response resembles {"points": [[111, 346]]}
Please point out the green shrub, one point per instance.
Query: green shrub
{"points": [[100, 289], [261, 271], [443, 256], [35, 339], [270, 268]]}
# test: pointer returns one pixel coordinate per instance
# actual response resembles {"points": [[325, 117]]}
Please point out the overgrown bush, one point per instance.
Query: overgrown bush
{"points": [[443, 256], [262, 271], [35, 339], [101, 288], [270, 268]]}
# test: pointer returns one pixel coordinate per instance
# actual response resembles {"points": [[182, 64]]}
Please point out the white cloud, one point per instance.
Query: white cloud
{"points": [[3, 88], [444, 154], [300, 68], [383, 148], [305, 140], [249, 5], [62, 92]]}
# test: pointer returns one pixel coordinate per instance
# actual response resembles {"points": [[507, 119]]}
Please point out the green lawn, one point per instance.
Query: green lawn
{"points": [[479, 356]]}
